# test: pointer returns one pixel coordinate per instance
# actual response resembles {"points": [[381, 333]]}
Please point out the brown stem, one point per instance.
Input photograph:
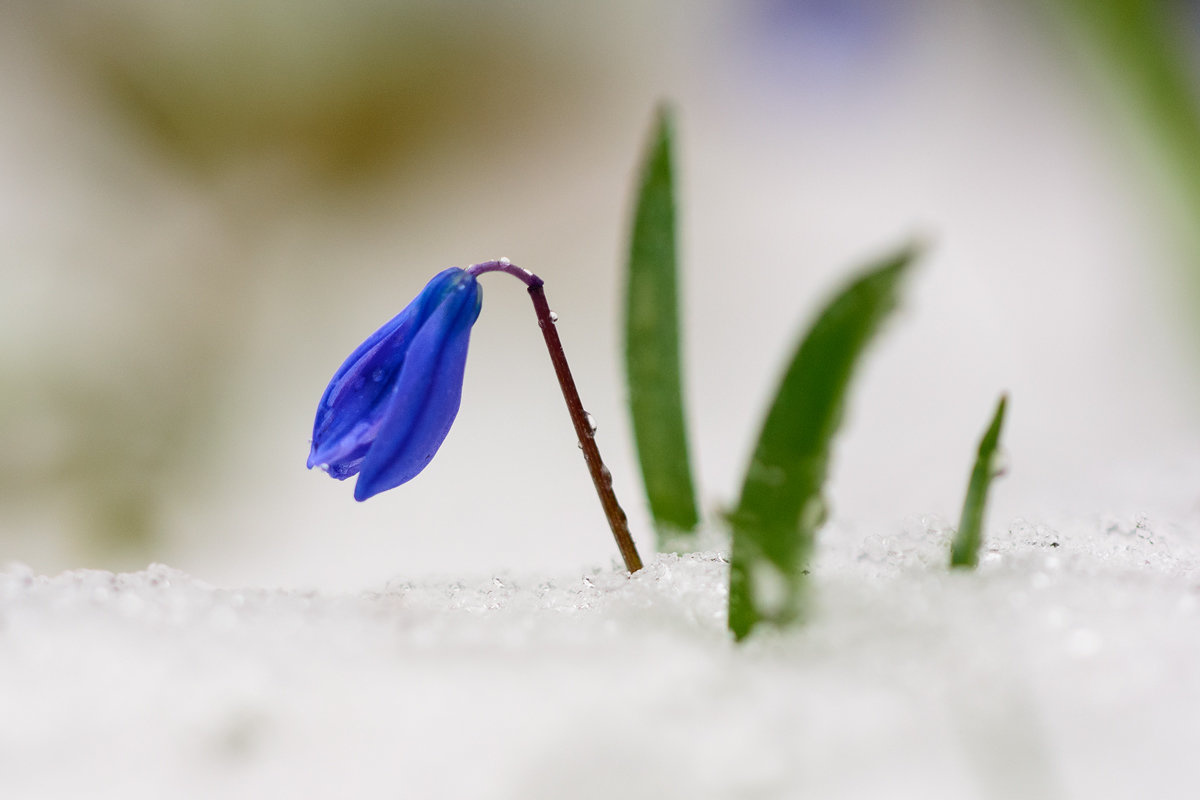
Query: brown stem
{"points": [[584, 427]]}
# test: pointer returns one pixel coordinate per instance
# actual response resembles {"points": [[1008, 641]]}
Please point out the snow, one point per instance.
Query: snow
{"points": [[1063, 667]]}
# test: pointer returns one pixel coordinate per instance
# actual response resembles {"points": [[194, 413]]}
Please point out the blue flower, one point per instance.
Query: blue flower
{"points": [[390, 405]]}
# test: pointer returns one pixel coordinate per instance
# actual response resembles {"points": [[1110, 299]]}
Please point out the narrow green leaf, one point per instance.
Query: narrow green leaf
{"points": [[965, 550], [782, 505], [652, 357]]}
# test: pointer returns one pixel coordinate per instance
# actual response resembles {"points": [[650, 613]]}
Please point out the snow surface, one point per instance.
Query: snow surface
{"points": [[1064, 667]]}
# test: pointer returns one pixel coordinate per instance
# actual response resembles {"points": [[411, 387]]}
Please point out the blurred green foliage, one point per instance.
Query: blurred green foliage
{"points": [[1143, 48], [334, 88]]}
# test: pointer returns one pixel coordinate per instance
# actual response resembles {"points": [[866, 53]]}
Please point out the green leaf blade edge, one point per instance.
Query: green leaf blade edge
{"points": [[964, 552], [652, 351], [782, 506]]}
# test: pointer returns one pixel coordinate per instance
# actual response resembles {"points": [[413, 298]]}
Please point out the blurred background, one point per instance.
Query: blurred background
{"points": [[205, 207]]}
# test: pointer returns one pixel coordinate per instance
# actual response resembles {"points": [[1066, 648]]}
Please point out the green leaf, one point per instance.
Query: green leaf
{"points": [[782, 506], [965, 550], [652, 345]]}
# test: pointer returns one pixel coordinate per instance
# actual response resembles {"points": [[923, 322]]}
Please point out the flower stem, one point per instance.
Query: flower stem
{"points": [[584, 427]]}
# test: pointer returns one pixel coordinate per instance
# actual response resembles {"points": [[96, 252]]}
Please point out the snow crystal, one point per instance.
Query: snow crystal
{"points": [[1063, 667]]}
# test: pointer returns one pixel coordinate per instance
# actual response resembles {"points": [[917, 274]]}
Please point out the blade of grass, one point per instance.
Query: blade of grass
{"points": [[652, 357], [965, 550], [781, 505]]}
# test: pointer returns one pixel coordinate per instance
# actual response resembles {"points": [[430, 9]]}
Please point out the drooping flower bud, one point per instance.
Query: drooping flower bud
{"points": [[389, 406]]}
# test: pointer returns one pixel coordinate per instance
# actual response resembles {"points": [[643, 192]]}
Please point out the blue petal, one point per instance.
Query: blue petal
{"points": [[426, 395], [353, 405], [350, 410]]}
